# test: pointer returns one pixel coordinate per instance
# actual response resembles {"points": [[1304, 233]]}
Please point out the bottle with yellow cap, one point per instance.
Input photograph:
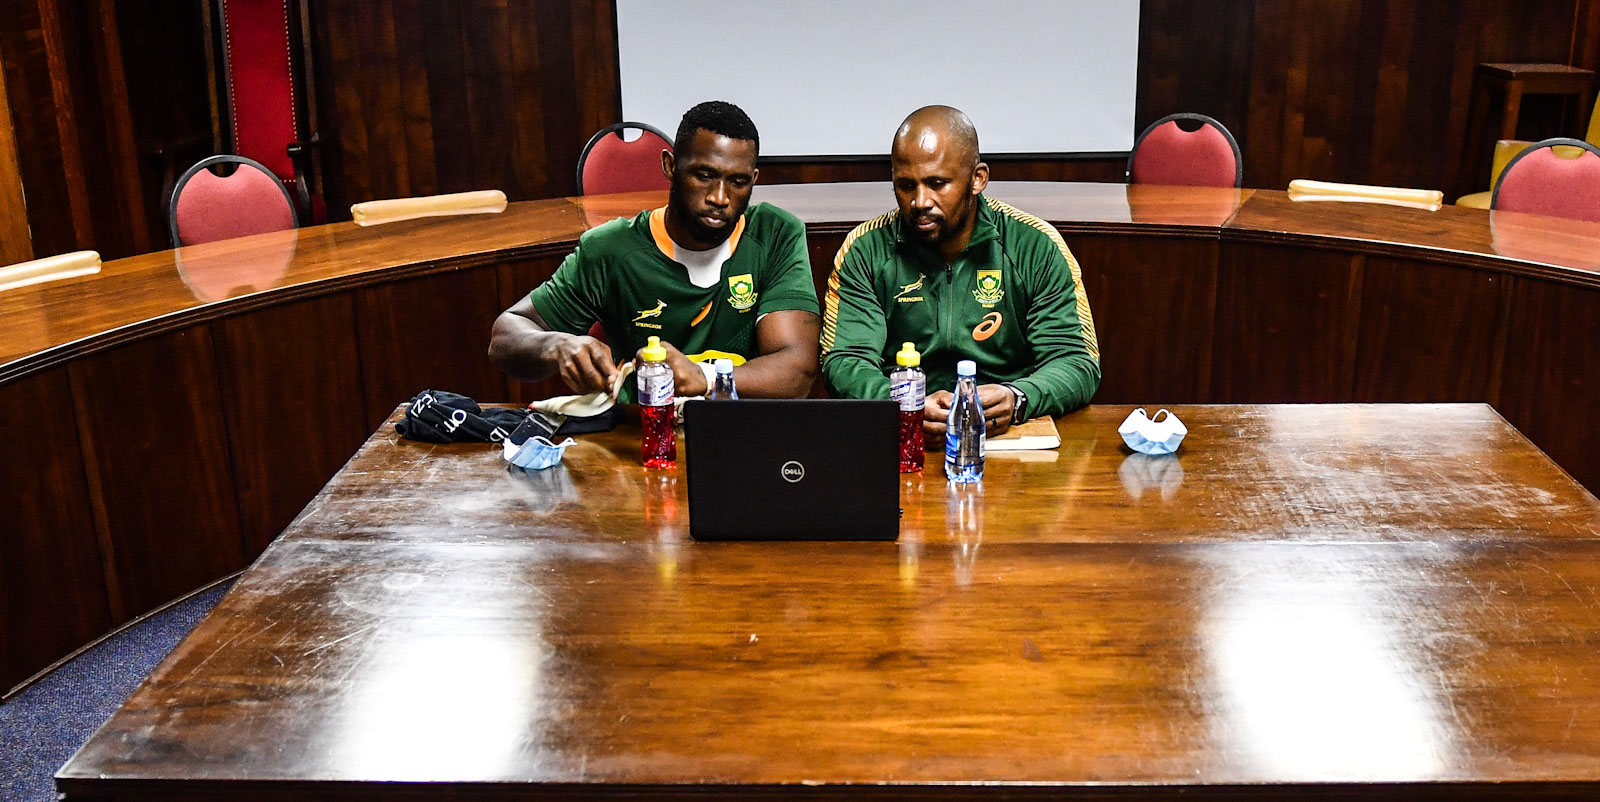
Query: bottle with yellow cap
{"points": [[908, 386], [660, 446]]}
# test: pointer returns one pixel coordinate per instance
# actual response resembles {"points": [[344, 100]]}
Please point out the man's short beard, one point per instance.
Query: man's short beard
{"points": [[944, 230], [703, 235], [934, 237]]}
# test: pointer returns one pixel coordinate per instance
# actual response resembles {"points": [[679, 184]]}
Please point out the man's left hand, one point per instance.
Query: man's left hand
{"points": [[687, 378], [998, 403], [997, 400]]}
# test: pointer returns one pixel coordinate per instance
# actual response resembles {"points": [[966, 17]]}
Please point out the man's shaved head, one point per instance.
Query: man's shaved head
{"points": [[931, 129], [937, 177]]}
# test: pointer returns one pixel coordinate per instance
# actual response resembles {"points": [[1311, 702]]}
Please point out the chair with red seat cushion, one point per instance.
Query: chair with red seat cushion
{"points": [[1167, 154], [207, 207], [1542, 180], [610, 163]]}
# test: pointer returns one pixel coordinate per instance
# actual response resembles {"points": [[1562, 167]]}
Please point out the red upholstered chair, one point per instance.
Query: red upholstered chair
{"points": [[1167, 154], [611, 164], [207, 207], [1545, 180]]}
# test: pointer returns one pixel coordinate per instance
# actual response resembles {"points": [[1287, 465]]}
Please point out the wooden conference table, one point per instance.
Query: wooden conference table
{"points": [[162, 421], [1360, 601]]}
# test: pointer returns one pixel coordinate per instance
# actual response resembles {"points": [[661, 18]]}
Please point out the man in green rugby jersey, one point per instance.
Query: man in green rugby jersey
{"points": [[962, 276], [709, 274]]}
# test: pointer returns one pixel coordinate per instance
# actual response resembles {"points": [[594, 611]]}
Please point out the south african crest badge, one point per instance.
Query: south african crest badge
{"points": [[742, 292], [988, 291]]}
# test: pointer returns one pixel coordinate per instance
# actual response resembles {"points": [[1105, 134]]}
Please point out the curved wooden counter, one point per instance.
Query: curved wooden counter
{"points": [[166, 418]]}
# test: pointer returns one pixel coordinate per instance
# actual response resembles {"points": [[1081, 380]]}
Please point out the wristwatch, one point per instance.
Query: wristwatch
{"points": [[710, 370], [1019, 410]]}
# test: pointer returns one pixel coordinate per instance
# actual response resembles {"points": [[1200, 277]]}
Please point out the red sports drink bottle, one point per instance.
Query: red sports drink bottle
{"points": [[660, 447], [909, 387]]}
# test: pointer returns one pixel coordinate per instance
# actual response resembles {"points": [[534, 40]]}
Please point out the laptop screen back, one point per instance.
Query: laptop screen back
{"points": [[806, 469]]}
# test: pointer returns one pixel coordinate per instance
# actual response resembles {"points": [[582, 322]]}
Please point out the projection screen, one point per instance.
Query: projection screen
{"points": [[832, 78]]}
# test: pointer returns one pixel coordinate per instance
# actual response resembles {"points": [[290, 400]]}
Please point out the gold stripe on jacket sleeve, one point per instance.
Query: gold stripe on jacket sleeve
{"points": [[1085, 316], [830, 304]]}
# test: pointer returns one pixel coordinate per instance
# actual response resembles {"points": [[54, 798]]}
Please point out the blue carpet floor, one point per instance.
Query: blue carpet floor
{"points": [[42, 726]]}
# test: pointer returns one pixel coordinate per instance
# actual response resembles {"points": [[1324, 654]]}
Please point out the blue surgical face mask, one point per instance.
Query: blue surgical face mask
{"points": [[535, 453], [1154, 436]]}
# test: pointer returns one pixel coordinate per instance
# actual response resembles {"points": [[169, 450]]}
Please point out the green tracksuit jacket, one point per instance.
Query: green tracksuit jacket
{"points": [[1013, 302]]}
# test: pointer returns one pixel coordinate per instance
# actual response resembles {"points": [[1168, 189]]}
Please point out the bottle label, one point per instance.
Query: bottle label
{"points": [[964, 440], [952, 448], [655, 388], [909, 391]]}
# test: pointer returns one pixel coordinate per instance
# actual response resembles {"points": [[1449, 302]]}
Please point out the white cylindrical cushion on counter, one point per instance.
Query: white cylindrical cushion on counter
{"points": [[50, 268], [1302, 189], [372, 213]]}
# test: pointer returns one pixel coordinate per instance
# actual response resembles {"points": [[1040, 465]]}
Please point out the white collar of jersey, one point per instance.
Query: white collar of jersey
{"points": [[663, 240]]}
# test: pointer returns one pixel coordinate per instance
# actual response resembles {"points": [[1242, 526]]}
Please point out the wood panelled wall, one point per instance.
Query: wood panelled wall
{"points": [[15, 243], [1366, 91], [97, 89], [435, 97], [425, 96], [1378, 92]]}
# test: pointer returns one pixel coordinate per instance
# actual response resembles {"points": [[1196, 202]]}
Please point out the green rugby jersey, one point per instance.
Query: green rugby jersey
{"points": [[1013, 302], [623, 276]]}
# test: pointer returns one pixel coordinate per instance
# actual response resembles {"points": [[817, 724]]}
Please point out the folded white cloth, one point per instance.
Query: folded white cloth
{"points": [[591, 404], [588, 404]]}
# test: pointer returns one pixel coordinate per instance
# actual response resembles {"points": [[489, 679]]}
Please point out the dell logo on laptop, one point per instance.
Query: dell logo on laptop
{"points": [[792, 471]]}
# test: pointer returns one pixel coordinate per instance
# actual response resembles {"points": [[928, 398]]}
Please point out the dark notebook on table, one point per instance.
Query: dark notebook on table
{"points": [[807, 469]]}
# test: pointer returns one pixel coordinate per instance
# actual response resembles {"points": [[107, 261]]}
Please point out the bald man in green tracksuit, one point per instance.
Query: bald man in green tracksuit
{"points": [[962, 276]]}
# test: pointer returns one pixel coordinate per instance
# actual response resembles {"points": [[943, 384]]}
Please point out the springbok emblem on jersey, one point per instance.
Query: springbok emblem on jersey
{"points": [[907, 289], [661, 306]]}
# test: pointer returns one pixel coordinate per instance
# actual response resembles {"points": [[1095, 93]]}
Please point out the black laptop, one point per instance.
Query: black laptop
{"points": [[808, 469]]}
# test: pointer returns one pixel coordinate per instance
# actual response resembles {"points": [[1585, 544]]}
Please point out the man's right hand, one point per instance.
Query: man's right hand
{"points": [[585, 363]]}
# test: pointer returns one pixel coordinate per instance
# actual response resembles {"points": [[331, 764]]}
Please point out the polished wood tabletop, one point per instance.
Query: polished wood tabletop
{"points": [[1355, 600]]}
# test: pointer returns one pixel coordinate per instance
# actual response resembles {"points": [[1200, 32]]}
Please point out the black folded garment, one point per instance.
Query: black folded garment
{"points": [[549, 426], [604, 422], [436, 416]]}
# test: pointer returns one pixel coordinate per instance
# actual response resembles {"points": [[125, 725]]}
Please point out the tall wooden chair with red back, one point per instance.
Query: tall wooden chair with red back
{"points": [[1556, 177], [609, 163], [262, 79], [207, 207], [1204, 156]]}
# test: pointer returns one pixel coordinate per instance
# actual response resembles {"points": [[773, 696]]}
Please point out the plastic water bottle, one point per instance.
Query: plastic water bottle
{"points": [[660, 446], [723, 389], [908, 386], [963, 438]]}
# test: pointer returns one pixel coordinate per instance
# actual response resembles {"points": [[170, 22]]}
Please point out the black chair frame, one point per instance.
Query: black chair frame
{"points": [[1238, 157], [616, 128], [205, 164]]}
